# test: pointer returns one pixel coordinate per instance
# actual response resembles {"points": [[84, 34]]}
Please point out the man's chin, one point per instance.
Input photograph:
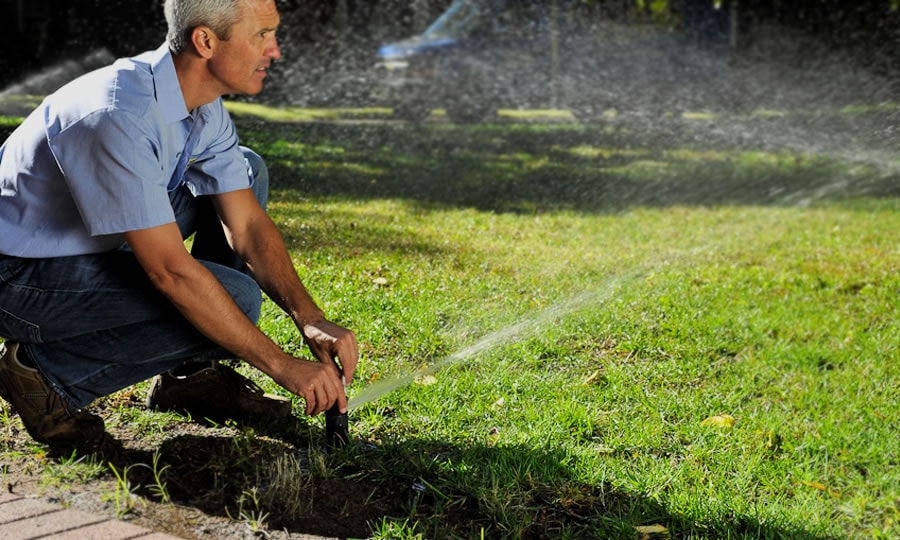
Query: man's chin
{"points": [[252, 91]]}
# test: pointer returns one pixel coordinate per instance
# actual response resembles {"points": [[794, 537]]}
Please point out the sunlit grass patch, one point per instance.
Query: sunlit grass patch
{"points": [[606, 152], [536, 114], [18, 105], [690, 115], [301, 114], [10, 122]]}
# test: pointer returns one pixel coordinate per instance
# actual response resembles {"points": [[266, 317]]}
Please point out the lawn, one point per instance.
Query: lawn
{"points": [[633, 330]]}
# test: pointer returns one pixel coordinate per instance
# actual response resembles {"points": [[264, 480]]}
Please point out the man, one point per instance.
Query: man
{"points": [[99, 187]]}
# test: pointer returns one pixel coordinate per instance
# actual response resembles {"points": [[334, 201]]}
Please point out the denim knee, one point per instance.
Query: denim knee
{"points": [[259, 175], [243, 288], [248, 296]]}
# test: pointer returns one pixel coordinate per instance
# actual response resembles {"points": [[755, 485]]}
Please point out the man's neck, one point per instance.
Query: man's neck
{"points": [[193, 80]]}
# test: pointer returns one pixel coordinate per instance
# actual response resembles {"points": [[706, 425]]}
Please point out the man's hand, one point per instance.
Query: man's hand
{"points": [[333, 345], [318, 383]]}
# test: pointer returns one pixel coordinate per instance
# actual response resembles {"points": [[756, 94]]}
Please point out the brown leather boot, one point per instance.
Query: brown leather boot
{"points": [[46, 415], [215, 392]]}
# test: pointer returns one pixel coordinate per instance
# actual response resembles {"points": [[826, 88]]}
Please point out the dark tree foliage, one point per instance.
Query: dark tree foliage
{"points": [[123, 27], [870, 28], [35, 33]]}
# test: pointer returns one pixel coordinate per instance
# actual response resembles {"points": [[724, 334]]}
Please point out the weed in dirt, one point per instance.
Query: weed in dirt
{"points": [[158, 487], [72, 469], [248, 511], [126, 495]]}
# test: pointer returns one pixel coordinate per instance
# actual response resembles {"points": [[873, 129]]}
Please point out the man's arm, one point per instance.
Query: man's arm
{"points": [[199, 296], [259, 243]]}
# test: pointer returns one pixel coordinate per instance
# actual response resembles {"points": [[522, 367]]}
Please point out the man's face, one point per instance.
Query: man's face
{"points": [[240, 63]]}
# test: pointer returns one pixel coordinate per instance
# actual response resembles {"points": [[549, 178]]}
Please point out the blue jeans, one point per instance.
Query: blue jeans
{"points": [[94, 324]]}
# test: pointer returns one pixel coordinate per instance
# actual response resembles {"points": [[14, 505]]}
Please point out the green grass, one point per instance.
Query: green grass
{"points": [[587, 297]]}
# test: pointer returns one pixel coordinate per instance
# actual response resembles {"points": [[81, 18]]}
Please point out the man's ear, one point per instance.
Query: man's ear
{"points": [[204, 40]]}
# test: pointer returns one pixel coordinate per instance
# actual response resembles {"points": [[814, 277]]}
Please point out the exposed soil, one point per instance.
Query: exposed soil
{"points": [[209, 469]]}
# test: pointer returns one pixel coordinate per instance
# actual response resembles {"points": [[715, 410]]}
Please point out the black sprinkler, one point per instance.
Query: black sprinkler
{"points": [[337, 430]]}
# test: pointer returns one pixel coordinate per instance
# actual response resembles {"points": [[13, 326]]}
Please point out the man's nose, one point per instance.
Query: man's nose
{"points": [[274, 51]]}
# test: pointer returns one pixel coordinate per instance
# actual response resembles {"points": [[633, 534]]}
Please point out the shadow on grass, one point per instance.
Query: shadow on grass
{"points": [[529, 168], [537, 168], [448, 490]]}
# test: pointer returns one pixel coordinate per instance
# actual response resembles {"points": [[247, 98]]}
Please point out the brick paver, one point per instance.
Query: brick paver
{"points": [[24, 518]]}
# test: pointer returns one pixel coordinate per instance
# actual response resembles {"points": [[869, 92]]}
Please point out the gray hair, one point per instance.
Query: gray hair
{"points": [[182, 16]]}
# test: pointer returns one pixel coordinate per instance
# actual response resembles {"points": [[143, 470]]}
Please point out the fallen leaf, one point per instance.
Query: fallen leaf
{"points": [[649, 532], [821, 487], [719, 420], [493, 436], [591, 378], [425, 380]]}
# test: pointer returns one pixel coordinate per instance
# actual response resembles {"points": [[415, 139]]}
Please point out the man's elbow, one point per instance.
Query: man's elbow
{"points": [[171, 277]]}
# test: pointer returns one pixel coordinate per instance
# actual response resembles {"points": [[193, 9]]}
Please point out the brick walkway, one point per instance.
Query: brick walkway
{"points": [[23, 518]]}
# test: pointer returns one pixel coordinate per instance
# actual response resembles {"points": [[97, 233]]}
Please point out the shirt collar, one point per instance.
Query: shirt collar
{"points": [[165, 81]]}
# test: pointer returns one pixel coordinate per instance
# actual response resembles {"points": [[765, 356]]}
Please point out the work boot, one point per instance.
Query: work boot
{"points": [[46, 415], [215, 392]]}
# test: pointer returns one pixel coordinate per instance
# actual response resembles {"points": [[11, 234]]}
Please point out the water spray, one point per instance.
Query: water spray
{"points": [[336, 423], [490, 341], [516, 331]]}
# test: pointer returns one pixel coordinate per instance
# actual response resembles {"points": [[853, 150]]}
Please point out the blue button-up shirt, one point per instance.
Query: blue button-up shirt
{"points": [[98, 157]]}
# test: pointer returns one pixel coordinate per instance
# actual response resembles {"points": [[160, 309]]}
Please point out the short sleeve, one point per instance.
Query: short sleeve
{"points": [[111, 164]]}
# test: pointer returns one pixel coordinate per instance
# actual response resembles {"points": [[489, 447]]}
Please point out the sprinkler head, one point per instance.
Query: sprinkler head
{"points": [[337, 429]]}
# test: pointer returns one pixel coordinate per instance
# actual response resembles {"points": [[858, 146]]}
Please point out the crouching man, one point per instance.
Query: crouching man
{"points": [[99, 187]]}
